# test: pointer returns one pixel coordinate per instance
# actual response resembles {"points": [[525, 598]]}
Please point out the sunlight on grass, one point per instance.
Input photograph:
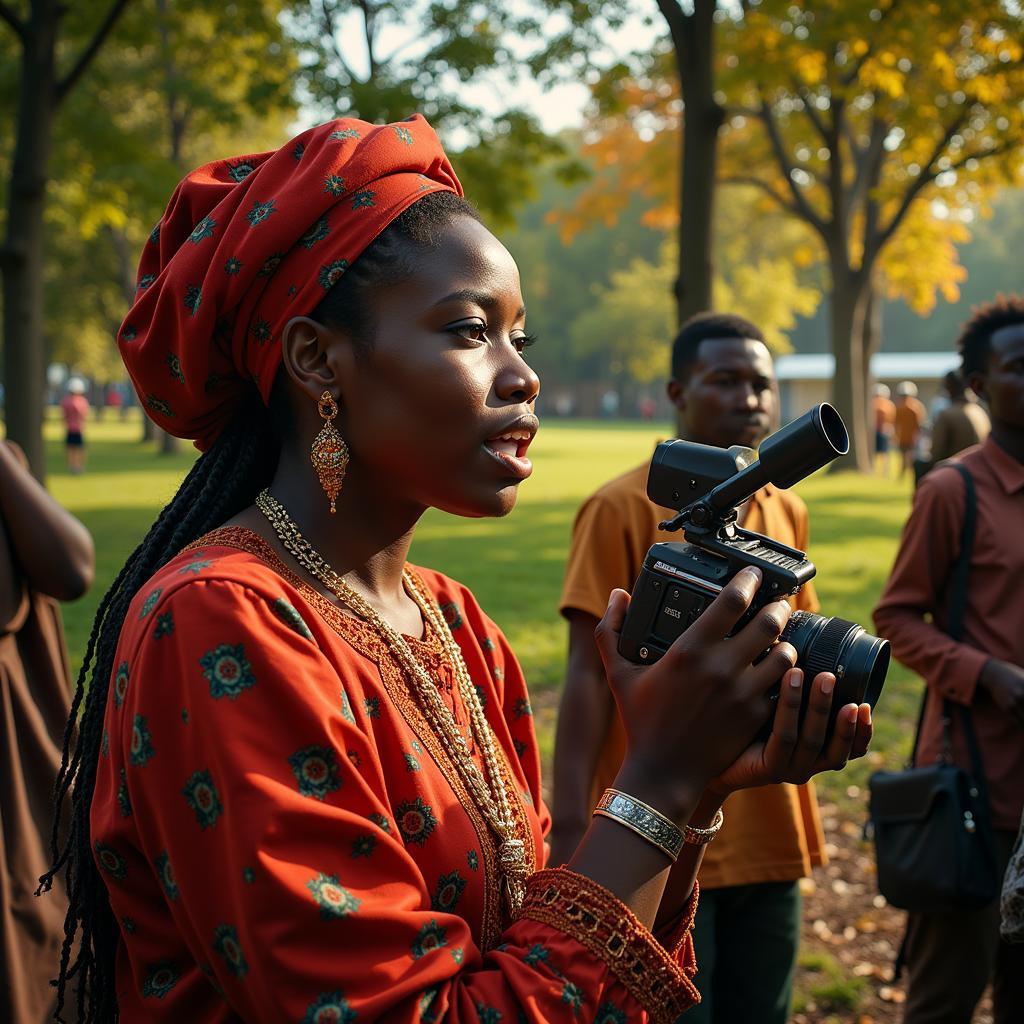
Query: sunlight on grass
{"points": [[826, 987], [515, 566]]}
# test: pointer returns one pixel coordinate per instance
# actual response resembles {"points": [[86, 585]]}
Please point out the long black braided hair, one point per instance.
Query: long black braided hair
{"points": [[223, 481]]}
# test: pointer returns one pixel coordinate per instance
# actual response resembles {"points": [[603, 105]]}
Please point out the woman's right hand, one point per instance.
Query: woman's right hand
{"points": [[688, 716]]}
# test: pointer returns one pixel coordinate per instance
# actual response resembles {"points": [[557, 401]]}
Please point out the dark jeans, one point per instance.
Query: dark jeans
{"points": [[746, 939], [951, 957]]}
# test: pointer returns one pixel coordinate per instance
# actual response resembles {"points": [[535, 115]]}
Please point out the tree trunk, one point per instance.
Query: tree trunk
{"points": [[169, 444], [846, 322], [872, 334], [21, 250], [126, 273], [177, 117], [21, 254], [693, 43]]}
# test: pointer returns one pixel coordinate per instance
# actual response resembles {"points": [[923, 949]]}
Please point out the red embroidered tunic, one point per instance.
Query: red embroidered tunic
{"points": [[284, 838]]}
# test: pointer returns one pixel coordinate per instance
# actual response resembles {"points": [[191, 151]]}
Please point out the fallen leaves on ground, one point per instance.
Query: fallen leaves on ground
{"points": [[845, 919]]}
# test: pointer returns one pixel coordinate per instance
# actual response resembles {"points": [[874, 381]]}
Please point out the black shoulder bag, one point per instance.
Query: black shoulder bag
{"points": [[932, 831]]}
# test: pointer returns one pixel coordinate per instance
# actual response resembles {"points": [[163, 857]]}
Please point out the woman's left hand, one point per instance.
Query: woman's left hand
{"points": [[794, 752]]}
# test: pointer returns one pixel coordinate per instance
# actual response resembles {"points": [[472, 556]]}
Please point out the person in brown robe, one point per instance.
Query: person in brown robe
{"points": [[46, 555]]}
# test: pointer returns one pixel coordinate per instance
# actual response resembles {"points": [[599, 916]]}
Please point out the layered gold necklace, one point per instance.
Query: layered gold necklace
{"points": [[488, 792]]}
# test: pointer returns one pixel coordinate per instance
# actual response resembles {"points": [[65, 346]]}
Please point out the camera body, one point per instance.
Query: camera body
{"points": [[678, 581]]}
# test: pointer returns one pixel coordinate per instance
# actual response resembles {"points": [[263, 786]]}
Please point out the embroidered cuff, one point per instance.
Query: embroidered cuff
{"points": [[608, 929]]}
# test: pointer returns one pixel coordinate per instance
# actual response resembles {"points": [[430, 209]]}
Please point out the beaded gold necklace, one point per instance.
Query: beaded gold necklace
{"points": [[488, 793]]}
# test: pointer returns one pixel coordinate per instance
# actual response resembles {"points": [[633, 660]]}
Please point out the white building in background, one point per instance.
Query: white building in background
{"points": [[805, 379]]}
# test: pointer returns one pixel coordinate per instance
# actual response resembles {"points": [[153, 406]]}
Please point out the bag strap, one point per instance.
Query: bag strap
{"points": [[962, 566], [958, 579], [957, 610]]}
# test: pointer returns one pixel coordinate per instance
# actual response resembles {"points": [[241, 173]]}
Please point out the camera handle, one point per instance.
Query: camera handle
{"points": [[700, 518]]}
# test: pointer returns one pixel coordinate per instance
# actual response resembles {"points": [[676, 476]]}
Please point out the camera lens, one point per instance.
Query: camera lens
{"points": [[858, 660]]}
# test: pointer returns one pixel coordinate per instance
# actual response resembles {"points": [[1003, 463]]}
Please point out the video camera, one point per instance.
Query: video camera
{"points": [[678, 581]]}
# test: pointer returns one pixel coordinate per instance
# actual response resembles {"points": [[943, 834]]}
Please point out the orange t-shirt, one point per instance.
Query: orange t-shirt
{"points": [[910, 417], [885, 414], [772, 833]]}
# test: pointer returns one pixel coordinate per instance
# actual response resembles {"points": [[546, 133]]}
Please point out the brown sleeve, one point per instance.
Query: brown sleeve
{"points": [[15, 601], [603, 555], [928, 549]]}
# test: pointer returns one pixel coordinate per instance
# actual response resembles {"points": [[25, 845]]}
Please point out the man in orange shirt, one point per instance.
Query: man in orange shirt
{"points": [[884, 412], [909, 418], [748, 921]]}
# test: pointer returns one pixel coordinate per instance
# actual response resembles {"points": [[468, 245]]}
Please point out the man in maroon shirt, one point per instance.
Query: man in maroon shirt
{"points": [[951, 956]]}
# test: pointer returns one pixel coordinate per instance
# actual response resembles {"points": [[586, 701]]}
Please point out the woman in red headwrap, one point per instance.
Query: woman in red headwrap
{"points": [[306, 784]]}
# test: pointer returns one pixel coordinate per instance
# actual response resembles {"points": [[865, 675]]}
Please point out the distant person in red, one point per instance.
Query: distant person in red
{"points": [[76, 411], [112, 400]]}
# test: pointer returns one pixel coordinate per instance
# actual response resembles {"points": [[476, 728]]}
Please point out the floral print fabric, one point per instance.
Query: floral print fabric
{"points": [[284, 840]]}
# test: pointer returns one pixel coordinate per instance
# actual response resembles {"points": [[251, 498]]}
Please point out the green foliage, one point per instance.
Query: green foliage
{"points": [[634, 316], [561, 280], [177, 84], [632, 322], [382, 61]]}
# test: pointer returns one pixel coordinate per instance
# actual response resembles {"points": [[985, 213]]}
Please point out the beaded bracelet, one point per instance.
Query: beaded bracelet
{"points": [[643, 819], [699, 836]]}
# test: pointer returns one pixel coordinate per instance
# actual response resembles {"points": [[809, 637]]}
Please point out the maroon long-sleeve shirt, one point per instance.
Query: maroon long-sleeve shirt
{"points": [[914, 612]]}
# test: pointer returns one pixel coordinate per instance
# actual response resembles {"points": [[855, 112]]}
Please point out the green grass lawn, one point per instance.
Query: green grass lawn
{"points": [[515, 565]]}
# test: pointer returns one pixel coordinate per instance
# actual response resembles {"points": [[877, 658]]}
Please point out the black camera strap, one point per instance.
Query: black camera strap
{"points": [[958, 580]]}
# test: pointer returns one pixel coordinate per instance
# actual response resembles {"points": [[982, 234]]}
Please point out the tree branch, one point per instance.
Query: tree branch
{"points": [[68, 82], [867, 162], [810, 110], [673, 13], [764, 186], [328, 20], [676, 20], [369, 30], [803, 207], [389, 60], [846, 132], [17, 25], [928, 174], [1003, 147], [734, 110]]}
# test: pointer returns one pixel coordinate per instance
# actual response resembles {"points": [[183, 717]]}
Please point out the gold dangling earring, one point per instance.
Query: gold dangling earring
{"points": [[329, 453]]}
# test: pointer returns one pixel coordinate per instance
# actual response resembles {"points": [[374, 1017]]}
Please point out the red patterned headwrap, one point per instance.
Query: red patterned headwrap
{"points": [[248, 243]]}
